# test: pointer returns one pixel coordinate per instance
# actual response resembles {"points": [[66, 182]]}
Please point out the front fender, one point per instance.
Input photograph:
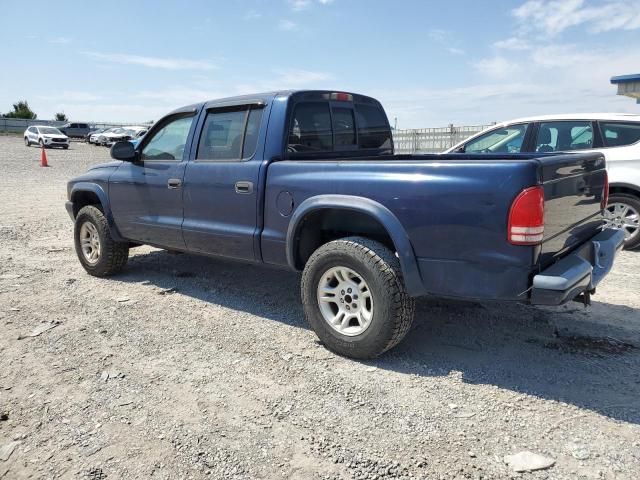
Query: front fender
{"points": [[98, 190], [399, 237]]}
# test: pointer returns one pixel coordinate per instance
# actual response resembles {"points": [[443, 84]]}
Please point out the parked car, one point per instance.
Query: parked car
{"points": [[45, 137], [119, 134], [108, 135], [129, 134], [308, 180], [75, 130], [138, 137], [617, 136], [93, 135]]}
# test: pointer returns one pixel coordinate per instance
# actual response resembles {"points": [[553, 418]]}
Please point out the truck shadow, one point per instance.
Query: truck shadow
{"points": [[586, 357]]}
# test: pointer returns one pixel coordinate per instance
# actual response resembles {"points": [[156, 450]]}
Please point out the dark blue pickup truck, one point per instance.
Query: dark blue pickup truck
{"points": [[308, 180]]}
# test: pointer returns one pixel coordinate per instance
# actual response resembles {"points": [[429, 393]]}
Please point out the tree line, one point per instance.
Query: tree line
{"points": [[21, 109]]}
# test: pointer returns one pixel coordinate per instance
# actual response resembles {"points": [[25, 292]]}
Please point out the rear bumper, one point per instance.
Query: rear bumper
{"points": [[578, 272]]}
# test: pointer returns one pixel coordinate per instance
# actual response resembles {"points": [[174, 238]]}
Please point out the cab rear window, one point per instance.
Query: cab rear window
{"points": [[321, 126], [373, 131]]}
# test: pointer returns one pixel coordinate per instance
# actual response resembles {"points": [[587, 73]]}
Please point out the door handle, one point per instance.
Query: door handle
{"points": [[244, 187], [174, 183]]}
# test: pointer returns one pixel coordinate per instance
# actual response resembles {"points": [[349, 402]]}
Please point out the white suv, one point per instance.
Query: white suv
{"points": [[617, 136], [45, 137]]}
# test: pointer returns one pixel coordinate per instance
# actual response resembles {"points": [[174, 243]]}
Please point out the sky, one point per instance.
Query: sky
{"points": [[430, 63]]}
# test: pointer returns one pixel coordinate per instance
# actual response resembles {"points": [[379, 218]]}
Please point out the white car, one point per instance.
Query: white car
{"points": [[617, 136], [45, 137], [109, 136], [117, 134]]}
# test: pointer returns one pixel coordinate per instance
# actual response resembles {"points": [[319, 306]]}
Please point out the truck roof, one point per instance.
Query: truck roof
{"points": [[256, 98]]}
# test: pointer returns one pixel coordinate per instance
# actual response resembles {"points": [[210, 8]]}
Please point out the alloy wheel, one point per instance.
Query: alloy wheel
{"points": [[345, 301]]}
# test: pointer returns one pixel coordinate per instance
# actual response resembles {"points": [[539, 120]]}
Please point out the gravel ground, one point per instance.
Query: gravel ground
{"points": [[187, 367]]}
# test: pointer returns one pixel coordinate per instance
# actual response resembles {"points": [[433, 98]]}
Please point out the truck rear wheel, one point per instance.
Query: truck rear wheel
{"points": [[98, 252], [623, 212], [354, 297]]}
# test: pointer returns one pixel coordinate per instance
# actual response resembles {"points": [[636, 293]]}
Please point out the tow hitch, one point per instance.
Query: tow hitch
{"points": [[585, 297]]}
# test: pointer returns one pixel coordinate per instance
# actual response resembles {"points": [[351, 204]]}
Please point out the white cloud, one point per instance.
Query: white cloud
{"points": [[152, 62], [60, 40], [553, 78], [455, 51], [446, 40], [252, 15], [287, 25], [564, 56], [299, 5], [554, 16], [296, 78], [70, 97], [496, 67], [513, 43], [180, 95], [439, 35]]}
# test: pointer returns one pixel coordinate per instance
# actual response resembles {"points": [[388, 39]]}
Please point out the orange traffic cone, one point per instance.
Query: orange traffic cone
{"points": [[43, 159]]}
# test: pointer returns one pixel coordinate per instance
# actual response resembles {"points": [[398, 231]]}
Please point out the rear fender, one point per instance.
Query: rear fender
{"points": [[397, 233]]}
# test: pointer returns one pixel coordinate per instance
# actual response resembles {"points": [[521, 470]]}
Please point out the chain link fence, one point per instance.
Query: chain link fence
{"points": [[433, 140]]}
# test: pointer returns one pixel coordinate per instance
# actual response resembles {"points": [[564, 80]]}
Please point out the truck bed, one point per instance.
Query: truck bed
{"points": [[454, 209]]}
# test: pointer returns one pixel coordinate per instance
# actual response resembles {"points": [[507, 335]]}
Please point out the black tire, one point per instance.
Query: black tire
{"points": [[633, 202], [393, 309], [65, 147], [27, 143], [41, 143], [113, 255]]}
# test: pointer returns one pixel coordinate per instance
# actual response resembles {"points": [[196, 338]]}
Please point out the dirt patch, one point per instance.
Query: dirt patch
{"points": [[577, 344]]}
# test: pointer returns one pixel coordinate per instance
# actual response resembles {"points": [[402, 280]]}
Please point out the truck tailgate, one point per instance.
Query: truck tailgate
{"points": [[574, 186]]}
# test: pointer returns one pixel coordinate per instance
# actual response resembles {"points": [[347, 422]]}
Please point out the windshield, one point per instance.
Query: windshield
{"points": [[49, 131], [501, 140], [117, 130]]}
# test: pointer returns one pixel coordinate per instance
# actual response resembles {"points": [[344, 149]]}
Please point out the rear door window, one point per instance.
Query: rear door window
{"points": [[229, 134], [500, 140], [564, 136], [619, 134]]}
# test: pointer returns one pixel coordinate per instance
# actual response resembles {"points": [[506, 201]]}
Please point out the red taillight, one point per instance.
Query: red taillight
{"points": [[605, 192], [342, 97], [526, 217]]}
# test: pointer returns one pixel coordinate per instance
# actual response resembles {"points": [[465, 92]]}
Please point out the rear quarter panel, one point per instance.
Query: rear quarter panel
{"points": [[454, 212]]}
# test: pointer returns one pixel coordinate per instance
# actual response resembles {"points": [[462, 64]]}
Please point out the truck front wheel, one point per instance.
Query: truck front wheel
{"points": [[354, 297], [98, 252]]}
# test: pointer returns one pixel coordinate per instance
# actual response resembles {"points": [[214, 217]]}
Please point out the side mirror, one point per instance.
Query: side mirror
{"points": [[123, 151]]}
